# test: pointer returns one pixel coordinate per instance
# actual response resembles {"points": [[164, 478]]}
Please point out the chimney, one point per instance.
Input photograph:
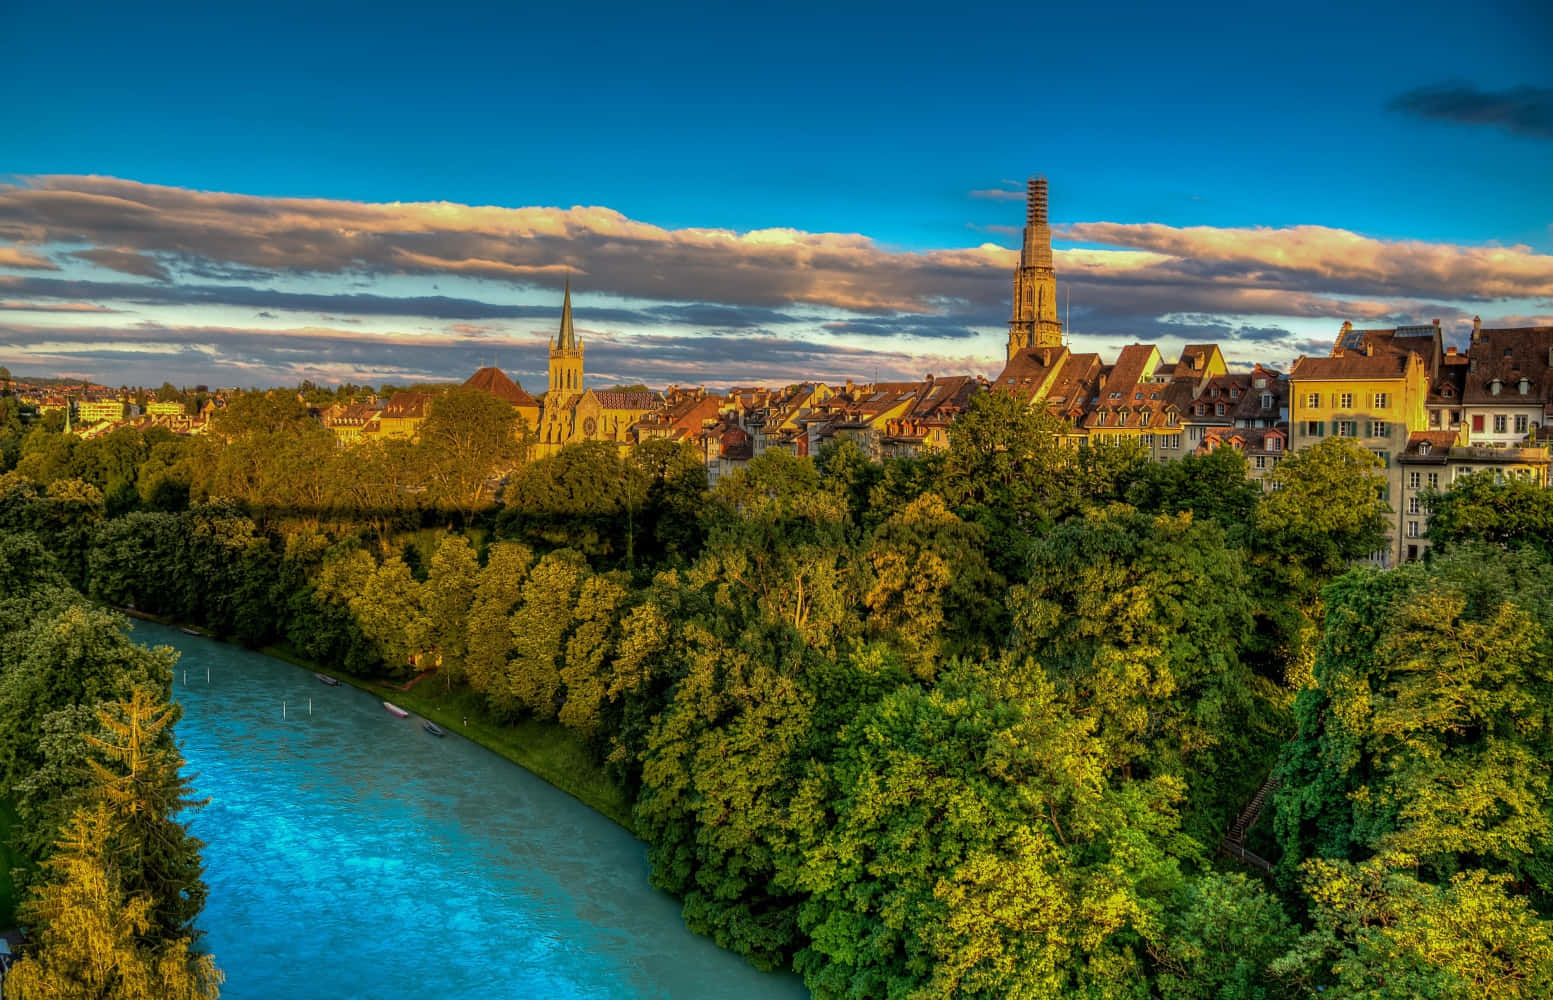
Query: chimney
{"points": [[1347, 326], [1450, 352], [1477, 328]]}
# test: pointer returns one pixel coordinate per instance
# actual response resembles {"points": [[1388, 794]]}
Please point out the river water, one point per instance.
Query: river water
{"points": [[352, 855]]}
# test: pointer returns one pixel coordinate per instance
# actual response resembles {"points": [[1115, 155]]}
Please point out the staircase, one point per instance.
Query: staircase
{"points": [[1231, 845]]}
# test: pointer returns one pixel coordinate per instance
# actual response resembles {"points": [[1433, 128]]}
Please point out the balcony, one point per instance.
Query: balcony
{"points": [[1480, 453]]}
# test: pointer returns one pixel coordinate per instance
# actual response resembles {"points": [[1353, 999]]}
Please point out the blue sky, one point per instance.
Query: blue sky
{"points": [[1248, 177]]}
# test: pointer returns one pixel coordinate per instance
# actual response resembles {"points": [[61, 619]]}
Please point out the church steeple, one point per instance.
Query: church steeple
{"points": [[565, 356], [1034, 322], [566, 340]]}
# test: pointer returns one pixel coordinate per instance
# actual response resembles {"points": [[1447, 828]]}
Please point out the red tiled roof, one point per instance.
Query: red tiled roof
{"points": [[616, 399], [496, 382]]}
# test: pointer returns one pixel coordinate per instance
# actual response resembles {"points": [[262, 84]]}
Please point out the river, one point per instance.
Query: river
{"points": [[350, 854]]}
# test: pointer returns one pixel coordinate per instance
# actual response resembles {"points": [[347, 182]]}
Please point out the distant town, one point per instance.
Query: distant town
{"points": [[1430, 413]]}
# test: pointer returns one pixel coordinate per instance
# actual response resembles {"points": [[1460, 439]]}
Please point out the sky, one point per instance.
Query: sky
{"points": [[257, 194]]}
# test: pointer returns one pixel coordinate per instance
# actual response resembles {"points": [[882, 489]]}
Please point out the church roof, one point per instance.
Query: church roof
{"points": [[616, 399], [496, 382]]}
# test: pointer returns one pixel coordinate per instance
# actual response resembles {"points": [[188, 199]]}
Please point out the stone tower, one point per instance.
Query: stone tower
{"points": [[565, 356], [1035, 322]]}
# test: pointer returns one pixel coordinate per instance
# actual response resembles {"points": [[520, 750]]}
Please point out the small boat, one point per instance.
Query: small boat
{"points": [[333, 682], [395, 710], [190, 630], [432, 728]]}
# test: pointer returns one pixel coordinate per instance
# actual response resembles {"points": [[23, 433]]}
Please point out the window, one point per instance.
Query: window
{"points": [[1214, 392], [1116, 395], [1379, 429], [1434, 418], [1477, 423], [1171, 419], [1313, 399], [1412, 529], [1148, 440], [1412, 505], [1384, 457], [1218, 409], [1520, 423], [1121, 419], [1275, 444], [1382, 400], [1234, 393], [1424, 447], [1415, 480], [1201, 409], [1313, 428], [1261, 461], [1345, 401], [1433, 480], [1347, 428], [1267, 401], [1412, 553], [1501, 423], [1170, 441]]}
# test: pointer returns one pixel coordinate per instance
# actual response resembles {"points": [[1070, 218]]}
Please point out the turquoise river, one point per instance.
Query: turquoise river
{"points": [[350, 854]]}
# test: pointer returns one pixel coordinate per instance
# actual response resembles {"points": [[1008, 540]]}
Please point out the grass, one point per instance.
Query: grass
{"points": [[9, 897], [547, 749]]}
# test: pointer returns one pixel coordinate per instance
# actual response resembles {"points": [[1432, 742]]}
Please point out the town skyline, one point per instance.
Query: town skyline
{"points": [[827, 210]]}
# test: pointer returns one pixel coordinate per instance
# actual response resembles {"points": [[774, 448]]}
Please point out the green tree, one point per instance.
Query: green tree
{"points": [[930, 587], [468, 438], [90, 931], [137, 778], [498, 591], [1482, 507]]}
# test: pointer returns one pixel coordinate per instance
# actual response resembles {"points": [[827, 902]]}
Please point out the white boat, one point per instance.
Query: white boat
{"points": [[395, 710]]}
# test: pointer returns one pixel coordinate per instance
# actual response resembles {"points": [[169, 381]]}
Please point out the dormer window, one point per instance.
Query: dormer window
{"points": [[1214, 392], [1218, 409], [1267, 401], [1423, 447]]}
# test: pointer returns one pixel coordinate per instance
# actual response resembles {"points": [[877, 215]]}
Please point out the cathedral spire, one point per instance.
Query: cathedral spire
{"points": [[566, 340], [1034, 322]]}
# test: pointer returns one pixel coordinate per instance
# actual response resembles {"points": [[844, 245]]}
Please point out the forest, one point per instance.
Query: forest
{"points": [[977, 724]]}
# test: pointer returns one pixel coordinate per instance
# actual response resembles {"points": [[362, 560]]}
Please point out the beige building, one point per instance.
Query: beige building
{"points": [[572, 413]]}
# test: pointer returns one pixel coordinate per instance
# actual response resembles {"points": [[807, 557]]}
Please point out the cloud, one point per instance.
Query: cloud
{"points": [[124, 260], [25, 260], [998, 194], [1305, 258], [1520, 110], [221, 355], [1259, 290], [536, 245], [54, 307]]}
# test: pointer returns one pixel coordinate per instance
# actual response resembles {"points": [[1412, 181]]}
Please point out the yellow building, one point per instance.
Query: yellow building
{"points": [[165, 408], [1373, 388], [91, 411], [401, 416]]}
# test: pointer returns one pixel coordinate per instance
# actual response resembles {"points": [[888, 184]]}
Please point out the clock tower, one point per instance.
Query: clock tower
{"points": [[565, 357]]}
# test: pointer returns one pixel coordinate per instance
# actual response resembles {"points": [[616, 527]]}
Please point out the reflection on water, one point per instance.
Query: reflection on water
{"points": [[351, 854]]}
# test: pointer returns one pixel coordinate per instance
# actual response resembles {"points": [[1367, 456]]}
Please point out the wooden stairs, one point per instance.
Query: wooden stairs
{"points": [[1232, 845]]}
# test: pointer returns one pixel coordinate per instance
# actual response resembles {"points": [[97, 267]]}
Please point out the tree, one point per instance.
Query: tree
{"points": [[137, 778], [1427, 730], [1481, 507], [930, 587], [1387, 934], [498, 589], [1325, 510], [539, 627], [582, 498], [468, 437], [1139, 621], [964, 842], [90, 931], [448, 596]]}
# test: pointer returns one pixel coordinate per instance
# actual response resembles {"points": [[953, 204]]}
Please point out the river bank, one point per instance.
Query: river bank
{"points": [[550, 751]]}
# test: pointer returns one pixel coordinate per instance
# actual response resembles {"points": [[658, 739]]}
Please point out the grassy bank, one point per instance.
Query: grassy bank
{"points": [[548, 749], [8, 860]]}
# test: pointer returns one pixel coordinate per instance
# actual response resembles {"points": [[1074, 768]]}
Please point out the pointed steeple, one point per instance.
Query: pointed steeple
{"points": [[567, 339]]}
